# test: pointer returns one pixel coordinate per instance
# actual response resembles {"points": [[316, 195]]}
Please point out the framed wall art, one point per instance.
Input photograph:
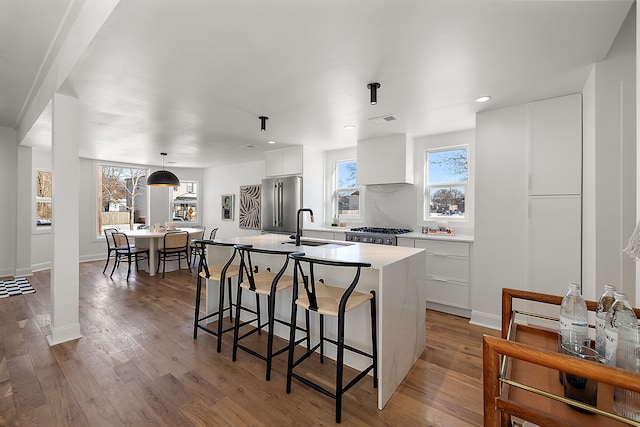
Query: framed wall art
{"points": [[249, 207], [227, 207]]}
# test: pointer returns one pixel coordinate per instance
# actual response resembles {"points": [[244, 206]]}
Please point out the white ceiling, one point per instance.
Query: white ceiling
{"points": [[191, 77]]}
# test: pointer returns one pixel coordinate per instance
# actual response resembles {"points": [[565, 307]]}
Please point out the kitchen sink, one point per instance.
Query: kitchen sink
{"points": [[307, 243], [316, 243]]}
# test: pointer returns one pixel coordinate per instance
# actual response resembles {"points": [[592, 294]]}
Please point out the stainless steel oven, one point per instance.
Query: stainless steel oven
{"points": [[375, 235]]}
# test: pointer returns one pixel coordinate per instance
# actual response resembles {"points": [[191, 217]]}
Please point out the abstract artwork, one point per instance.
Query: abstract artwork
{"points": [[249, 213]]}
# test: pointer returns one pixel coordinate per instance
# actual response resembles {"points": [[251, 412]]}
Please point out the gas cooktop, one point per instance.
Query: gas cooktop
{"points": [[381, 230], [377, 235]]}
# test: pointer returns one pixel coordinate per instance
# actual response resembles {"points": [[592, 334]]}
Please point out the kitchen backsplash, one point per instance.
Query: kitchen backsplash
{"points": [[391, 205]]}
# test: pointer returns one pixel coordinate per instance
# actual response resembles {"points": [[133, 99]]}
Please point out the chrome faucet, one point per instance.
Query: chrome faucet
{"points": [[298, 223]]}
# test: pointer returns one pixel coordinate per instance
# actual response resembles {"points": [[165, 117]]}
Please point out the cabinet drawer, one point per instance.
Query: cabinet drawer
{"points": [[448, 292], [448, 267], [460, 249]]}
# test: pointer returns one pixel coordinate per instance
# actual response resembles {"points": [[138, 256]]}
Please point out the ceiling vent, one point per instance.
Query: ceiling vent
{"points": [[248, 146], [383, 119]]}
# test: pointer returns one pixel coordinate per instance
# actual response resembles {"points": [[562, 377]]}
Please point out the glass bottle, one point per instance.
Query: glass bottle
{"points": [[574, 319], [619, 313], [605, 302]]}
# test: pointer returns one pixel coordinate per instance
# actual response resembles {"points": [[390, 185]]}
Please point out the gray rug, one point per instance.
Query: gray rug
{"points": [[19, 286]]}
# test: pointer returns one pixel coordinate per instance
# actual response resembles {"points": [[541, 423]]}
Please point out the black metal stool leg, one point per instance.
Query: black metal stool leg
{"points": [[340, 367], [196, 316], [236, 329], [374, 341]]}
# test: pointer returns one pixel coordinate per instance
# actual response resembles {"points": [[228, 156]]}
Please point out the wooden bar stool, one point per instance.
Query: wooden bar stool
{"points": [[333, 301], [267, 283]]}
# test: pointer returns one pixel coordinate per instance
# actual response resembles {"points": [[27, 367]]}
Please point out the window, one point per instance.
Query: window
{"points": [[43, 199], [184, 202], [446, 183], [346, 194], [122, 197]]}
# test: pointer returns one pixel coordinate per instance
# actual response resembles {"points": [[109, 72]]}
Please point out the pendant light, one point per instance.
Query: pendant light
{"points": [[163, 178], [263, 123], [373, 89]]}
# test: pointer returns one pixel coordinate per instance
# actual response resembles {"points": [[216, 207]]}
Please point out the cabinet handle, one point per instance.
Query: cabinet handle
{"points": [[436, 254], [437, 279]]}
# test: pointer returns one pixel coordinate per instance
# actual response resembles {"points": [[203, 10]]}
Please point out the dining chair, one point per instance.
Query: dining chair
{"points": [[175, 247], [198, 235], [262, 282], [312, 294], [111, 246], [125, 250]]}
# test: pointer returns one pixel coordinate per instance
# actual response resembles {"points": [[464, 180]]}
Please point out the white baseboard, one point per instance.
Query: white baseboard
{"points": [[448, 309], [24, 272], [41, 266], [486, 320], [64, 334]]}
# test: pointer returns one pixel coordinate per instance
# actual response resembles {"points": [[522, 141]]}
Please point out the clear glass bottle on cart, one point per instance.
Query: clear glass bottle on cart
{"points": [[604, 304], [574, 326], [619, 313]]}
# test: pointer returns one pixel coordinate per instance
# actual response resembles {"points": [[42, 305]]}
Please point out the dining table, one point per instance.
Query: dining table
{"points": [[152, 239]]}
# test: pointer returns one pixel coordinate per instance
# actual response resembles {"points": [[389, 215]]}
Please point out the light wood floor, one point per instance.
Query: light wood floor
{"points": [[137, 364]]}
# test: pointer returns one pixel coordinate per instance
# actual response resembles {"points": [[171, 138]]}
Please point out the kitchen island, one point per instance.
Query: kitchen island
{"points": [[396, 275]]}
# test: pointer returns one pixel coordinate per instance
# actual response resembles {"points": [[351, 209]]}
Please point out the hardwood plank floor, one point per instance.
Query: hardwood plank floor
{"points": [[137, 364]]}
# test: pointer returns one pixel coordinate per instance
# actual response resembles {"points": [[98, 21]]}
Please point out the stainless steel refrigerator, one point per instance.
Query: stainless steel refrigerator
{"points": [[281, 199]]}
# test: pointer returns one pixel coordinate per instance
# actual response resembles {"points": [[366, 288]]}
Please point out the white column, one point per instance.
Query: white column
{"points": [[65, 277], [24, 220]]}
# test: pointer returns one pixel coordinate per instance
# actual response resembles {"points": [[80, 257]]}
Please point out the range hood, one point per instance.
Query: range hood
{"points": [[386, 160]]}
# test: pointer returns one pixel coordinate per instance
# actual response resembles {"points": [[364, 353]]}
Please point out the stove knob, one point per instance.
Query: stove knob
{"points": [[356, 238], [379, 240]]}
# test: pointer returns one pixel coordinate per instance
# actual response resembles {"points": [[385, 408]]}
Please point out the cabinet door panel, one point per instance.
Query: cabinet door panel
{"points": [[554, 243], [448, 267], [444, 248], [556, 145], [448, 292]]}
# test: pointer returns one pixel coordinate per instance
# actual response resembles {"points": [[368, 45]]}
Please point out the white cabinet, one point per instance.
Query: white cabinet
{"points": [[286, 161], [321, 234], [385, 160], [447, 273], [406, 242], [555, 200], [554, 243], [555, 163]]}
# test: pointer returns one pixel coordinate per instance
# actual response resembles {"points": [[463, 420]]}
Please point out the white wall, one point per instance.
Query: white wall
{"points": [[8, 195], [227, 180], [615, 170]]}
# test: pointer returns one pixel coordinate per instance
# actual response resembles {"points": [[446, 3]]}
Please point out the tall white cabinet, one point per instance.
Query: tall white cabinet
{"points": [[555, 194]]}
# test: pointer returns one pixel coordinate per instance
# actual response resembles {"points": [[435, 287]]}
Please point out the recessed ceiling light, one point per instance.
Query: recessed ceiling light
{"points": [[271, 142], [350, 127], [483, 98]]}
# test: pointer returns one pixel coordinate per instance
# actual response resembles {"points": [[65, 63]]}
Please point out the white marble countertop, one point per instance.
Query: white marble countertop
{"points": [[334, 229], [454, 238], [412, 235], [378, 255]]}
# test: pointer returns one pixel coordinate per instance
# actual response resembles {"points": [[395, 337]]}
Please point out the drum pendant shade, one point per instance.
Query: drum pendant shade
{"points": [[163, 178]]}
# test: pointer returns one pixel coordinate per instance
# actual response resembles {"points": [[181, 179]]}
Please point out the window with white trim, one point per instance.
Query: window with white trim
{"points": [[184, 202], [346, 191], [43, 199], [446, 182], [122, 197]]}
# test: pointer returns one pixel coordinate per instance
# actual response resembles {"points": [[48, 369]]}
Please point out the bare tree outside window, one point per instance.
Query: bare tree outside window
{"points": [[122, 197], [43, 198], [446, 182]]}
